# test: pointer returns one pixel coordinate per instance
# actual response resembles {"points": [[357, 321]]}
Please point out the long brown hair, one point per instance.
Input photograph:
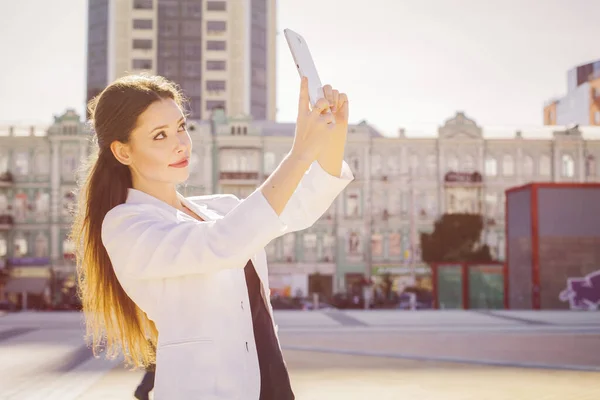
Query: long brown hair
{"points": [[113, 321]]}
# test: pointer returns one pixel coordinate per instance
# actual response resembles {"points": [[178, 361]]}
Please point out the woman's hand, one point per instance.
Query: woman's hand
{"points": [[332, 156], [314, 128]]}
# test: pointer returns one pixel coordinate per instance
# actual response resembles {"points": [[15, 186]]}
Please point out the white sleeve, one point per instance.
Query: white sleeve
{"points": [[141, 244], [314, 195]]}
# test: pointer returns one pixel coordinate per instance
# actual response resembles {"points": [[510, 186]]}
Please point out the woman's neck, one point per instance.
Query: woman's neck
{"points": [[165, 192]]}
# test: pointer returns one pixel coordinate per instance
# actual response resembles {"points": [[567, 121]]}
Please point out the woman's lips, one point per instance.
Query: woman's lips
{"points": [[180, 164]]}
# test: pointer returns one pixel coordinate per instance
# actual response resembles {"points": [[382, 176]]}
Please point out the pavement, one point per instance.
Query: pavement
{"points": [[346, 355]]}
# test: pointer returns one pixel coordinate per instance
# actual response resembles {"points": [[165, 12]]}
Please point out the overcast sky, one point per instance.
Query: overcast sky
{"points": [[403, 63]]}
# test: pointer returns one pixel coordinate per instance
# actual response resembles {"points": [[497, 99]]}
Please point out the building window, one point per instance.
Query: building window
{"points": [[21, 162], [217, 45], [527, 166], [353, 204], [413, 164], [215, 65], [392, 165], [508, 165], [567, 166], [269, 162], [545, 167], [271, 250], [452, 163], [216, 26], [394, 245], [3, 245], [3, 204], [192, 87], [354, 244], [310, 247], [328, 248], [212, 104], [354, 163], [216, 6], [376, 164], [468, 164], [430, 206], [244, 164], [431, 165], [142, 64], [20, 247], [41, 205], [192, 50], [69, 159], [289, 247], [191, 9], [21, 205], [142, 24], [142, 44], [229, 163], [142, 4], [491, 166], [590, 166], [3, 162], [377, 245], [192, 29], [41, 245], [192, 69], [42, 163], [215, 85]]}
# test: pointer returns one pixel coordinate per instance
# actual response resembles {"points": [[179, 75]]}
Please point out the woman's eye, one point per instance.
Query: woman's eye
{"points": [[182, 127], [158, 136]]}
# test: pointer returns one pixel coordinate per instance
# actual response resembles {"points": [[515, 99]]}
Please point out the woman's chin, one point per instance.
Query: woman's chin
{"points": [[181, 177]]}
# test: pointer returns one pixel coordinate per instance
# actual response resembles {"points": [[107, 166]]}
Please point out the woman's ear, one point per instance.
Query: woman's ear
{"points": [[121, 151]]}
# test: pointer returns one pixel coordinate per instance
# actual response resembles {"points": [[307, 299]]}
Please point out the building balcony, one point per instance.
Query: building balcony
{"points": [[6, 222], [238, 176]]}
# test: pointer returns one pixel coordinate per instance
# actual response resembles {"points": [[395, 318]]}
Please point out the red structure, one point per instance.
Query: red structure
{"points": [[552, 238]]}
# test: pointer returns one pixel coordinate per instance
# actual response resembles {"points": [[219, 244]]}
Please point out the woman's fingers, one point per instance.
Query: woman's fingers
{"points": [[304, 101], [321, 106]]}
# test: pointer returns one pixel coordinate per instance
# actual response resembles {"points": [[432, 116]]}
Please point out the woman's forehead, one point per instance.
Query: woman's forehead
{"points": [[160, 113]]}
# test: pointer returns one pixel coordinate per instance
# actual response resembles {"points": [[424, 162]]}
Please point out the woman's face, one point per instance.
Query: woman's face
{"points": [[159, 147]]}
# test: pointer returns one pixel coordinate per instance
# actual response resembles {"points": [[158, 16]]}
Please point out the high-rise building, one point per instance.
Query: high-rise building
{"points": [[221, 53], [581, 104]]}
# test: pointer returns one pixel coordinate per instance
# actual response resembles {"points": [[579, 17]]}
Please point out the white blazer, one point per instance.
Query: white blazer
{"points": [[188, 276]]}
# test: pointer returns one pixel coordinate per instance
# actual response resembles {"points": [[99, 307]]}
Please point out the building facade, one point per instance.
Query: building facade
{"points": [[581, 104], [37, 178], [221, 53], [403, 184]]}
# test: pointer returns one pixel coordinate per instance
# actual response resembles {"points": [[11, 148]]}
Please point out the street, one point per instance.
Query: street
{"points": [[346, 355]]}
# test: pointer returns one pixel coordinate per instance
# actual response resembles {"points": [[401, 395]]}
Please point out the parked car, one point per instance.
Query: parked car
{"points": [[7, 306], [285, 303]]}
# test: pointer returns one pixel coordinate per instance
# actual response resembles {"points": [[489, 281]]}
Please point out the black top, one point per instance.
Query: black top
{"points": [[274, 378]]}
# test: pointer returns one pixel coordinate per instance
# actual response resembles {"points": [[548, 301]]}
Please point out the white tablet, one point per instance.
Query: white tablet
{"points": [[305, 64]]}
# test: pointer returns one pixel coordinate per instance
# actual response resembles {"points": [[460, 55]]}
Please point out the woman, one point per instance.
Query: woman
{"points": [[191, 273]]}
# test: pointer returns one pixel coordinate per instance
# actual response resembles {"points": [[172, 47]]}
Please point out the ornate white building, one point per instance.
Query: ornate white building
{"points": [[402, 185]]}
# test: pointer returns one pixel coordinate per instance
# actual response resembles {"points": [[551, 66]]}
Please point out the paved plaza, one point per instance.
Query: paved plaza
{"points": [[346, 355]]}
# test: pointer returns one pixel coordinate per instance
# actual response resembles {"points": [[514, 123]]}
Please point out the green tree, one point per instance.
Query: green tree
{"points": [[456, 238]]}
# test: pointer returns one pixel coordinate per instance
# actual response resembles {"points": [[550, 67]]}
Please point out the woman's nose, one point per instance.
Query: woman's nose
{"points": [[182, 144]]}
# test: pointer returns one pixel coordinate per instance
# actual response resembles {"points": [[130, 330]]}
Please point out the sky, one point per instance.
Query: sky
{"points": [[403, 63]]}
